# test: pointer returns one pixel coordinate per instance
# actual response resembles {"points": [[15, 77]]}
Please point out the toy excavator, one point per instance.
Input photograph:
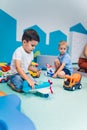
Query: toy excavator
{"points": [[72, 82]]}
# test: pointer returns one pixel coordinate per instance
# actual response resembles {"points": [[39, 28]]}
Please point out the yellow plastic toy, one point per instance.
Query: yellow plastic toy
{"points": [[3, 63], [34, 64], [33, 74]]}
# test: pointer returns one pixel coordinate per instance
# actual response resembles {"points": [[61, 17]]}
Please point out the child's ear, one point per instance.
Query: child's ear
{"points": [[24, 42]]}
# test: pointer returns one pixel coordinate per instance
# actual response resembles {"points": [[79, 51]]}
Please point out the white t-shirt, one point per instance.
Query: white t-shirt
{"points": [[24, 57]]}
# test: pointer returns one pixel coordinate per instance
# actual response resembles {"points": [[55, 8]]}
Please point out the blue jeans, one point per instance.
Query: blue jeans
{"points": [[17, 80]]}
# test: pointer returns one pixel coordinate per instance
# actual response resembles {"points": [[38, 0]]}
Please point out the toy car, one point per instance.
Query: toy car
{"points": [[33, 74], [34, 64], [50, 70], [4, 67], [73, 82], [3, 79], [49, 73]]}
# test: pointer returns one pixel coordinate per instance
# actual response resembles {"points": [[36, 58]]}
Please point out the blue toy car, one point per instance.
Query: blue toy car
{"points": [[50, 70]]}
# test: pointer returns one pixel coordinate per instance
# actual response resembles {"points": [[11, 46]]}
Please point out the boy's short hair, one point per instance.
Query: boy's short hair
{"points": [[30, 34], [62, 43]]}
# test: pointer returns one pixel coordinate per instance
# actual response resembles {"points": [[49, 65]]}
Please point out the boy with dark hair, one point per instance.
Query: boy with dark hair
{"points": [[21, 61]]}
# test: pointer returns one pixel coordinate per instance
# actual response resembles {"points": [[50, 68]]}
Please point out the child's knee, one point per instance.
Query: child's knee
{"points": [[17, 81], [61, 74]]}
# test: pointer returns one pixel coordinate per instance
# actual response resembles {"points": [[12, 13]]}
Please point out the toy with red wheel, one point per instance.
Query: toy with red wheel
{"points": [[42, 87]]}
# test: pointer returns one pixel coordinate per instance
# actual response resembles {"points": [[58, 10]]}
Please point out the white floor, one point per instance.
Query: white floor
{"points": [[63, 110]]}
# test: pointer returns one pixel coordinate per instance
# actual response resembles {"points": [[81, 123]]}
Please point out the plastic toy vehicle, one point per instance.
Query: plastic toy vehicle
{"points": [[3, 79], [33, 74], [4, 67], [42, 87], [73, 82], [34, 64], [50, 70]]}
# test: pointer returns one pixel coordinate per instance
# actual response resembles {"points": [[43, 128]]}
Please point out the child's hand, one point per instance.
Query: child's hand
{"points": [[31, 83], [38, 73], [55, 75]]}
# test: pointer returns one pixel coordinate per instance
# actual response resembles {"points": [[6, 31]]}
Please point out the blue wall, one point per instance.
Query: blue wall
{"points": [[7, 36], [78, 28], [8, 26]]}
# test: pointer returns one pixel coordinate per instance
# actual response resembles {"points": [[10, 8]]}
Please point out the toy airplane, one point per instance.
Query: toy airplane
{"points": [[42, 87]]}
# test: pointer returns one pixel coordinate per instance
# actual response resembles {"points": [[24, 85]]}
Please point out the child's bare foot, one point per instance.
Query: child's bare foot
{"points": [[55, 75]]}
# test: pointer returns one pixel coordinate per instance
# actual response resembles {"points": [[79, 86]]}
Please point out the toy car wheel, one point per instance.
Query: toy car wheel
{"points": [[73, 88], [2, 81], [46, 95], [80, 86]]}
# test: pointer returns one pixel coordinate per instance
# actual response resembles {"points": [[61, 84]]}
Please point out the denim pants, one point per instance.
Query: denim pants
{"points": [[17, 80]]}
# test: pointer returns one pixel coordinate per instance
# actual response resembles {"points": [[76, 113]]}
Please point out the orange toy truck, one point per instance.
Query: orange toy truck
{"points": [[72, 82]]}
